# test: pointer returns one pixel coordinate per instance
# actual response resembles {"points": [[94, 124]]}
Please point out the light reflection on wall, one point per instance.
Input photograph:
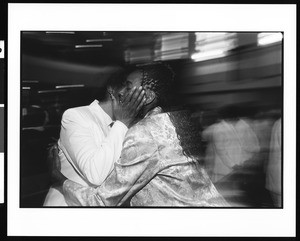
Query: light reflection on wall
{"points": [[213, 45], [198, 46], [163, 47], [172, 46]]}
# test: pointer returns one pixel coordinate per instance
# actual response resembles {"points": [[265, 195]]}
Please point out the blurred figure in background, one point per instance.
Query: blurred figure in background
{"points": [[34, 122], [273, 171], [90, 138], [250, 172], [223, 153], [34, 171], [263, 124], [232, 148], [209, 121], [34, 118], [246, 134], [226, 146]]}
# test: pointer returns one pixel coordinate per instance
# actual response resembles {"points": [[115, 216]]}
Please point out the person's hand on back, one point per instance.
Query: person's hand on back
{"points": [[57, 178]]}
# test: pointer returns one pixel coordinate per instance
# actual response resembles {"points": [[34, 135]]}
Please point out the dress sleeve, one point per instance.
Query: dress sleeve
{"points": [[138, 164], [77, 195], [93, 160]]}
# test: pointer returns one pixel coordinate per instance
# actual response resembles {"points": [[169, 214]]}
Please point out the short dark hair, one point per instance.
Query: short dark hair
{"points": [[114, 81]]}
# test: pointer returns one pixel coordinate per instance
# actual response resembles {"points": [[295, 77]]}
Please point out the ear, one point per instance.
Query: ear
{"points": [[110, 92], [150, 96]]}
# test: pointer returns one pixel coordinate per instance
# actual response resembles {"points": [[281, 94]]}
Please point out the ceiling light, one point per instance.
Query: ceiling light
{"points": [[89, 46], [269, 38], [50, 91], [68, 86], [99, 40], [60, 32]]}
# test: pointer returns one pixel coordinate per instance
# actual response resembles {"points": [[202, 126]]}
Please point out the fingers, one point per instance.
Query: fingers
{"points": [[128, 97], [139, 99], [141, 104], [131, 105], [135, 95]]}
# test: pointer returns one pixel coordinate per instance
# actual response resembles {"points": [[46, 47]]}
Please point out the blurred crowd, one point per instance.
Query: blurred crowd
{"points": [[40, 128], [243, 154]]}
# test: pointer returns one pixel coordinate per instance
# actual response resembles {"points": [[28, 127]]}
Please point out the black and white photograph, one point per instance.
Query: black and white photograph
{"points": [[2, 119], [181, 117], [202, 129]]}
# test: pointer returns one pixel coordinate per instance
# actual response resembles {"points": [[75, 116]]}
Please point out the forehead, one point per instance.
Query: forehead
{"points": [[135, 78]]}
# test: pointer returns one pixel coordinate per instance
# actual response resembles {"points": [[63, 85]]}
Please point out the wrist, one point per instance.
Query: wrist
{"points": [[58, 178]]}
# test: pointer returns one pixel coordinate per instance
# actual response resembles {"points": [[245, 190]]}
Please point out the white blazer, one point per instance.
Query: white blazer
{"points": [[89, 146]]}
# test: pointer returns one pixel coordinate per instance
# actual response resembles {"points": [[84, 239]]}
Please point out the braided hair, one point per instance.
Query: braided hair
{"points": [[160, 78], [188, 133]]}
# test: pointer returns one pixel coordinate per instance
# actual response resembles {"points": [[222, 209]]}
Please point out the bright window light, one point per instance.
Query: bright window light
{"points": [[210, 45], [268, 38], [201, 56]]}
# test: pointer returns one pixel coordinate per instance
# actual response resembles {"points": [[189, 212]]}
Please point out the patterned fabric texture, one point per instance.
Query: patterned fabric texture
{"points": [[152, 171]]}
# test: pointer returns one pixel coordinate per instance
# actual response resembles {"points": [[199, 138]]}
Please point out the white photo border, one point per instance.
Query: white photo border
{"points": [[151, 222]]}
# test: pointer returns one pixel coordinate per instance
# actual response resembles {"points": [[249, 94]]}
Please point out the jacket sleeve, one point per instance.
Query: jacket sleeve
{"points": [[138, 164], [92, 160]]}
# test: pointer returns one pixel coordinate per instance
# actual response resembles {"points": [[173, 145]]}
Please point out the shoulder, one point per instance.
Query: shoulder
{"points": [[145, 127], [76, 110], [219, 126], [76, 113], [277, 127], [138, 131], [156, 122], [157, 127], [278, 123]]}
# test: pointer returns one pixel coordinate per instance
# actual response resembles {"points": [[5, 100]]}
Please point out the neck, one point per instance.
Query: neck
{"points": [[106, 105], [147, 109]]}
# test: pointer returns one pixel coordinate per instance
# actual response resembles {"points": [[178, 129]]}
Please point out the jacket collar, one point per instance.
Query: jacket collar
{"points": [[155, 111]]}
